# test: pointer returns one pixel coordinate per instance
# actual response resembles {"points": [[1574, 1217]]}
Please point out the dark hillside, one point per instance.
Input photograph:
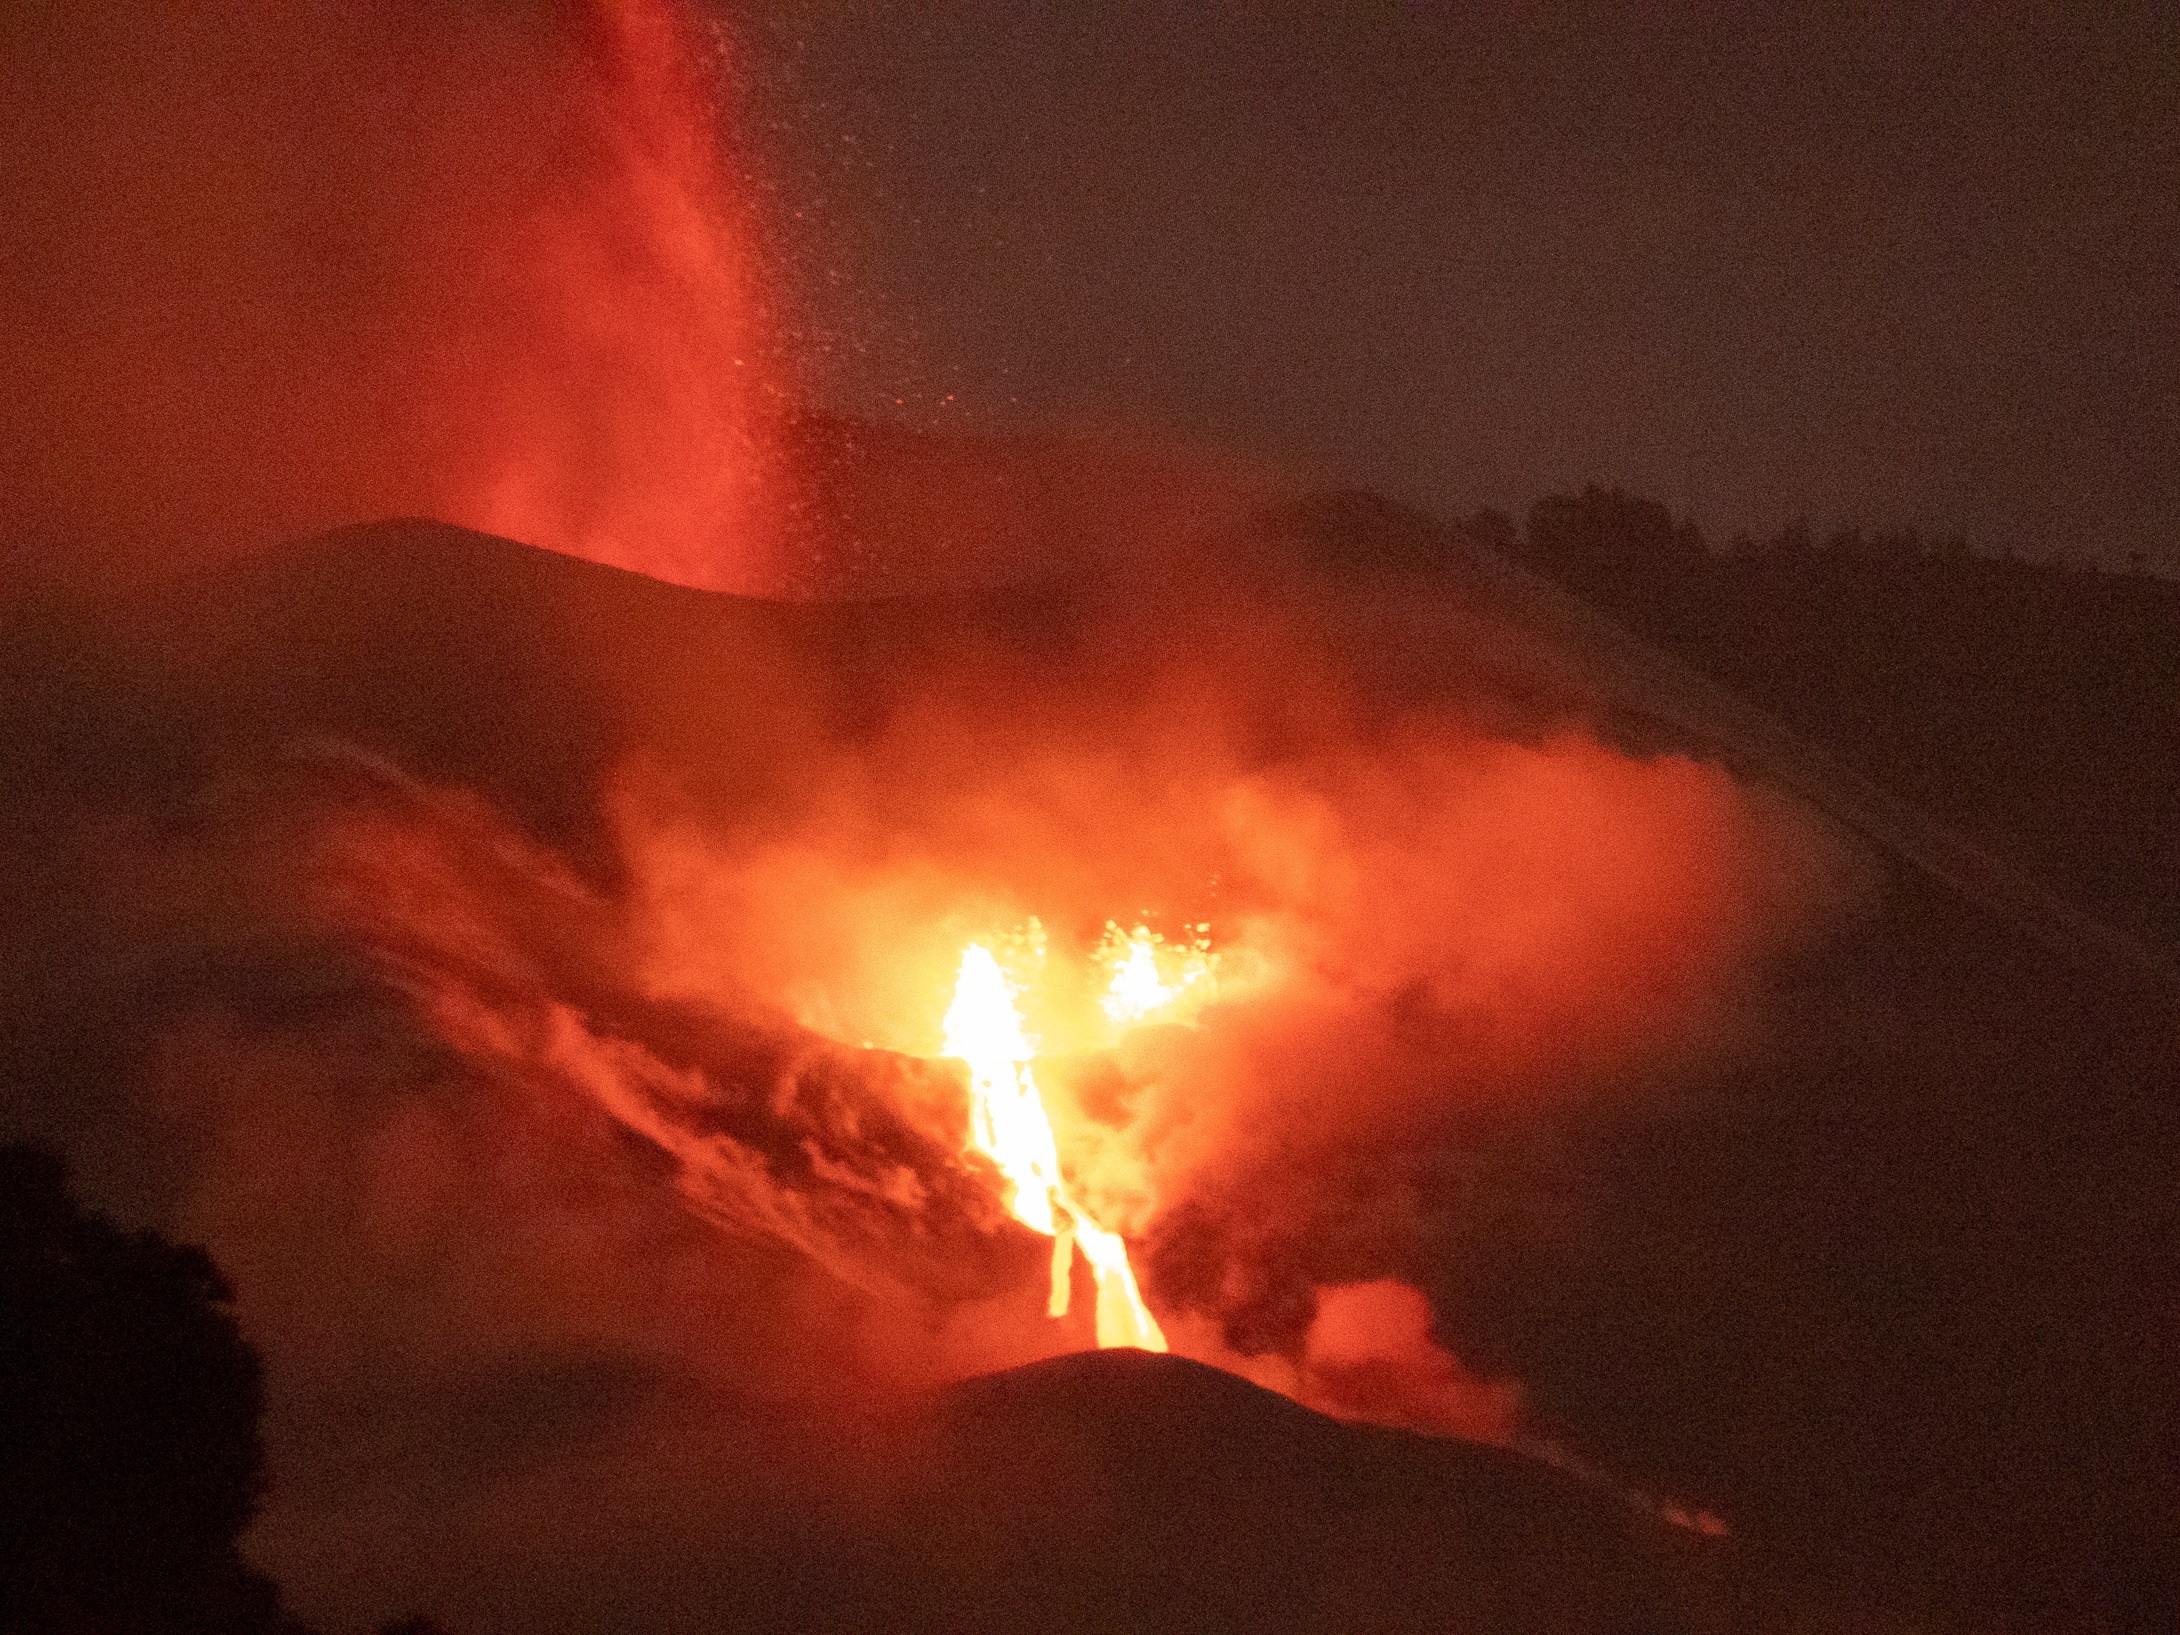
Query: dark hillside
{"points": [[2035, 705], [1120, 1490]]}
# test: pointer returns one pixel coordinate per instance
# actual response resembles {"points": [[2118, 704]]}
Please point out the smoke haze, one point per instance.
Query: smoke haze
{"points": [[527, 980]]}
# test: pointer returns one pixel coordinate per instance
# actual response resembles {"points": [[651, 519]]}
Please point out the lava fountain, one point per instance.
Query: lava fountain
{"points": [[1008, 1122]]}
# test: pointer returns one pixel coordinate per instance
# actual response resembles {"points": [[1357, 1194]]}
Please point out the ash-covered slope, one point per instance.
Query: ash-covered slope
{"points": [[1123, 1491], [1395, 552], [451, 654]]}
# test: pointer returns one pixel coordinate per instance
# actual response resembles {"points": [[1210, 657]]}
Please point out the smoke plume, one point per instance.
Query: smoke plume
{"points": [[274, 268]]}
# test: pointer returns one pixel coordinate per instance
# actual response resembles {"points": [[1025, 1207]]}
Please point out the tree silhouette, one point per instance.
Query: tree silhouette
{"points": [[130, 1459]]}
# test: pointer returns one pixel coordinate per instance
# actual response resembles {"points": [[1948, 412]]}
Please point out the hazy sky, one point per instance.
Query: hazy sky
{"points": [[1889, 267]]}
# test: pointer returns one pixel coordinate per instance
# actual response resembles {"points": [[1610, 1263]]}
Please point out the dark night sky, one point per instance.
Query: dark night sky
{"points": [[1885, 268]]}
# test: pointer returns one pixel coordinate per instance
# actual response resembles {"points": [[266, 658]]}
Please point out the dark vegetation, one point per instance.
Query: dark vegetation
{"points": [[129, 1452]]}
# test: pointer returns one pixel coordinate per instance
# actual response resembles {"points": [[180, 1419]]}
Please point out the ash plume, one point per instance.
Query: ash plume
{"points": [[275, 268]]}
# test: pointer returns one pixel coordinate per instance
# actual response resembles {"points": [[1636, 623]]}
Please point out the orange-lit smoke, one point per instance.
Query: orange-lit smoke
{"points": [[1413, 922], [273, 268], [1369, 1355]]}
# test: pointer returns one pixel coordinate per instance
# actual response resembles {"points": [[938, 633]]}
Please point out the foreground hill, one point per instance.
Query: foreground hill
{"points": [[1121, 1491]]}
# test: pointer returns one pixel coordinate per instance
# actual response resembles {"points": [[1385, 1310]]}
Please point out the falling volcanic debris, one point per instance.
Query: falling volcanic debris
{"points": [[290, 267]]}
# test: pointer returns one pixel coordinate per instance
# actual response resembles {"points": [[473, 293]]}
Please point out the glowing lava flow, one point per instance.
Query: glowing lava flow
{"points": [[1007, 1123], [1137, 990]]}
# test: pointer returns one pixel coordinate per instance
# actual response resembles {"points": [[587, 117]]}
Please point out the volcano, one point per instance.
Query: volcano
{"points": [[319, 864]]}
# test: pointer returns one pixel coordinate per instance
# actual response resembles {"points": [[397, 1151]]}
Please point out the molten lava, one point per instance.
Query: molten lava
{"points": [[1008, 1124], [1139, 990]]}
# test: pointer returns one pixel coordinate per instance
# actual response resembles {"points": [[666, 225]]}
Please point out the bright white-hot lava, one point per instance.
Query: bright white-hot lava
{"points": [[1009, 1125], [1007, 1118], [1139, 991]]}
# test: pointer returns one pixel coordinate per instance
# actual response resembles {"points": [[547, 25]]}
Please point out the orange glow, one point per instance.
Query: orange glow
{"points": [[1007, 1119], [1009, 1125], [1143, 988]]}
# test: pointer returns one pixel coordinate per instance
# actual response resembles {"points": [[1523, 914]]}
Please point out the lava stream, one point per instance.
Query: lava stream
{"points": [[1008, 1123]]}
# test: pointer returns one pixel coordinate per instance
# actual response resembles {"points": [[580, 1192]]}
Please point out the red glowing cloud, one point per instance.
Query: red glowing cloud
{"points": [[277, 268]]}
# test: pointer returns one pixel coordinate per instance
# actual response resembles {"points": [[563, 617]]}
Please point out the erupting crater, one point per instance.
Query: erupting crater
{"points": [[1009, 1124]]}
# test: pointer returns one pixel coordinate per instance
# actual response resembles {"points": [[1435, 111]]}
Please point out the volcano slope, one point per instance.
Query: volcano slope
{"points": [[1886, 1282], [1121, 1490]]}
